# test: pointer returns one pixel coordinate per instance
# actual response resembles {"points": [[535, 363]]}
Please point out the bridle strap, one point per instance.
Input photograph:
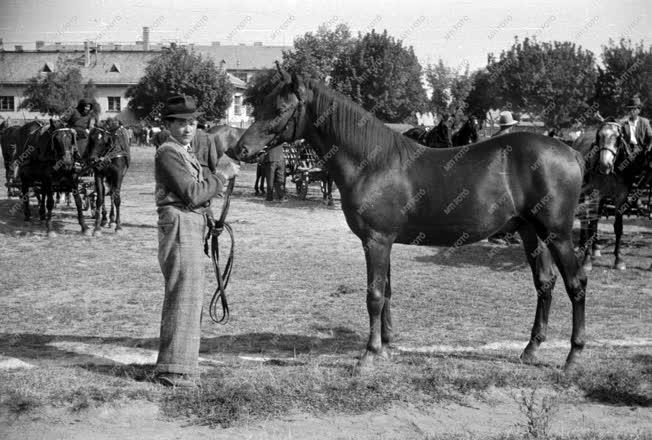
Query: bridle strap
{"points": [[211, 248], [295, 116]]}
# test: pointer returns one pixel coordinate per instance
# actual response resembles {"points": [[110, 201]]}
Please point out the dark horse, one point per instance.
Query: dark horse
{"points": [[45, 157], [613, 170], [397, 191], [109, 159], [467, 134]]}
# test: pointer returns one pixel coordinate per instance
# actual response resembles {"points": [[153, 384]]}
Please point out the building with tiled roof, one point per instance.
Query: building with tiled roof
{"points": [[114, 67]]}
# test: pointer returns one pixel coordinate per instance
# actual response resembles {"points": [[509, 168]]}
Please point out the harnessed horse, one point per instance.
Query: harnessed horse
{"points": [[404, 193], [46, 157], [109, 162], [614, 170]]}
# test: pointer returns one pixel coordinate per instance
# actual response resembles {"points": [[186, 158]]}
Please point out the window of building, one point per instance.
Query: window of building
{"points": [[237, 105], [7, 103], [114, 103]]}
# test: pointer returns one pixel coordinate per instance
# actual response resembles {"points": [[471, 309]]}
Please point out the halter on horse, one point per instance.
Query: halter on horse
{"points": [[403, 194], [614, 170]]}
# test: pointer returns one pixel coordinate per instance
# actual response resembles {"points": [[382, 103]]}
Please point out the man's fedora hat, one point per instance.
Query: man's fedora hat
{"points": [[635, 102], [506, 119], [181, 107]]}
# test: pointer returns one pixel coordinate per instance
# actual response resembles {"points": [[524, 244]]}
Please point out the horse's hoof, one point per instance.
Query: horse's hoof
{"points": [[119, 231], [87, 232], [97, 232], [596, 253], [103, 223], [620, 266], [52, 234], [364, 365], [528, 357]]}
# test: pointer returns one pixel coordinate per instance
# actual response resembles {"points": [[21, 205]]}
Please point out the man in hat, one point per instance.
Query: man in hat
{"points": [[183, 194], [636, 128], [274, 164], [507, 124], [81, 119], [638, 133]]}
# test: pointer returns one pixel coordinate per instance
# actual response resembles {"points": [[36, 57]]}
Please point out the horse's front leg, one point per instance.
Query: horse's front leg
{"points": [[80, 209], [25, 197], [48, 196], [377, 252], [99, 204], [619, 263], [116, 202]]}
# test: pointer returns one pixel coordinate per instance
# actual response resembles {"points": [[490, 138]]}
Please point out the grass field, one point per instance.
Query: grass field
{"points": [[80, 317]]}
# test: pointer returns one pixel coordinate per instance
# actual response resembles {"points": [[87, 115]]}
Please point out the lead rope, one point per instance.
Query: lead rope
{"points": [[211, 248]]}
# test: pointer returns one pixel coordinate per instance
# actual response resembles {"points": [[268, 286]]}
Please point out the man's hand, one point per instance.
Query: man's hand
{"points": [[227, 168]]}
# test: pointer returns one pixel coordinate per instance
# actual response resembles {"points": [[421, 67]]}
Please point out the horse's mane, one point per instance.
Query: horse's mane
{"points": [[365, 136]]}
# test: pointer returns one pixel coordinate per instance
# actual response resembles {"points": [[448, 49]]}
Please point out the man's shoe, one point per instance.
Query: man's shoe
{"points": [[177, 380]]}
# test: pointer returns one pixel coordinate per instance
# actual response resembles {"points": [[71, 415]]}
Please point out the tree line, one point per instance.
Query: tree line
{"points": [[558, 82]]}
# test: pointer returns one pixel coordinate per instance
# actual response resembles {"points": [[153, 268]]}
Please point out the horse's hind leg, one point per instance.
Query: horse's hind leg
{"points": [[386, 328], [561, 247], [619, 263], [48, 196], [116, 201], [540, 260], [377, 250]]}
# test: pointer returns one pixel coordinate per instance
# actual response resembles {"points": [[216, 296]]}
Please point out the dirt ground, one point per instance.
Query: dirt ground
{"points": [[298, 289]]}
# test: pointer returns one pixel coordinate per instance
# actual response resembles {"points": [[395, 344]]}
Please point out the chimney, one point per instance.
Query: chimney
{"points": [[145, 38], [258, 43], [19, 48], [87, 54], [40, 44], [215, 43]]}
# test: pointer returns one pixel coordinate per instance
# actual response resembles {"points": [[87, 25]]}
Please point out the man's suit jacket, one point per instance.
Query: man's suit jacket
{"points": [[643, 132]]}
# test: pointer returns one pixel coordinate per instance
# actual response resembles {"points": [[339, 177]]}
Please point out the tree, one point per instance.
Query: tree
{"points": [[482, 96], [554, 81], [381, 75], [179, 71], [54, 92], [450, 89], [261, 85], [627, 72], [314, 55]]}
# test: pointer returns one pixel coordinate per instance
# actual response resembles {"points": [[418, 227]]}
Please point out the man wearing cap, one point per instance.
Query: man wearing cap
{"points": [[507, 124], [183, 195], [81, 119]]}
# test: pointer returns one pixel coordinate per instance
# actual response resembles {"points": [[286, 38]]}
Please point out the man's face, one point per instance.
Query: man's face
{"points": [[183, 130], [87, 108], [634, 112]]}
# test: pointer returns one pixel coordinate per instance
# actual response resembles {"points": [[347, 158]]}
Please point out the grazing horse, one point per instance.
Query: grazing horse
{"points": [[109, 159], [396, 191], [45, 157], [613, 170]]}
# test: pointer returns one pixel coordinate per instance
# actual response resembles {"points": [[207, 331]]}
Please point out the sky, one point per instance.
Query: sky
{"points": [[459, 32]]}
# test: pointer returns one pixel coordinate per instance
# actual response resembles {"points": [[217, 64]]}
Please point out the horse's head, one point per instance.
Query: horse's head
{"points": [[62, 145], [99, 140], [608, 139], [281, 118]]}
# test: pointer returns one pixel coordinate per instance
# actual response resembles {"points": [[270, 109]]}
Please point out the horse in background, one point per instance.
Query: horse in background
{"points": [[409, 194], [615, 171], [468, 133], [108, 156], [45, 157], [8, 143]]}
